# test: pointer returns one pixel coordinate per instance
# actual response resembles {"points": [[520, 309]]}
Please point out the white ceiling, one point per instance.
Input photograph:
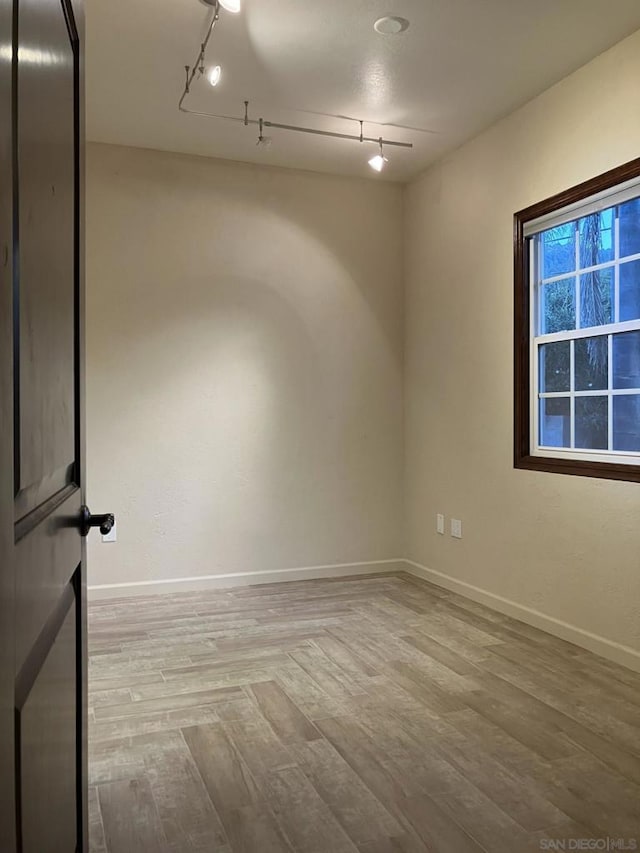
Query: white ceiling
{"points": [[461, 65]]}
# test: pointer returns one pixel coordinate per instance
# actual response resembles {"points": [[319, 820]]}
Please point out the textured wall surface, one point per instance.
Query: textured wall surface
{"points": [[566, 546], [244, 334], [245, 354]]}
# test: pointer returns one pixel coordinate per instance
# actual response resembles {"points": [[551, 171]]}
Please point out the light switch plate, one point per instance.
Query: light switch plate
{"points": [[440, 523]]}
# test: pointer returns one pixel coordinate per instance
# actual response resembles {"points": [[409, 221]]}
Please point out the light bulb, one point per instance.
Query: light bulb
{"points": [[378, 162], [214, 74], [231, 5]]}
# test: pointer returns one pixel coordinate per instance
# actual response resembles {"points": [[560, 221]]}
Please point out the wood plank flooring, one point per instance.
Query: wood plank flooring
{"points": [[377, 714]]}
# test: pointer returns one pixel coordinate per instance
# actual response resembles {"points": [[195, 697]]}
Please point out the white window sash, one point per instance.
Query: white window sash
{"points": [[588, 332], [537, 295], [593, 392], [621, 457], [600, 201]]}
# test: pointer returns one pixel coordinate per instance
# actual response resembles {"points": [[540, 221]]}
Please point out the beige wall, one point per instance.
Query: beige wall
{"points": [[566, 546], [245, 405], [244, 362]]}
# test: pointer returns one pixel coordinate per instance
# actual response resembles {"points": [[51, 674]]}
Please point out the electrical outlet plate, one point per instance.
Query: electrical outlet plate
{"points": [[456, 528], [112, 535], [440, 523]]}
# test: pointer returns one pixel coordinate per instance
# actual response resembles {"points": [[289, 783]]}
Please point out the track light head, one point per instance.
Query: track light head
{"points": [[378, 161], [214, 74], [264, 142], [228, 5]]}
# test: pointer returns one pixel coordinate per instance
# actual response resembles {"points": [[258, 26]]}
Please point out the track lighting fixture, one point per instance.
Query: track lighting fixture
{"points": [[378, 161], [213, 75], [263, 141]]}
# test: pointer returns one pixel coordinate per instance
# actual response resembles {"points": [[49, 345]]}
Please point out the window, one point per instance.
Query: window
{"points": [[577, 330]]}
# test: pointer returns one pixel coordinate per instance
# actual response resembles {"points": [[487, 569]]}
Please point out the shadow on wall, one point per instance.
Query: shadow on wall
{"points": [[220, 413], [270, 221], [244, 399], [233, 399]]}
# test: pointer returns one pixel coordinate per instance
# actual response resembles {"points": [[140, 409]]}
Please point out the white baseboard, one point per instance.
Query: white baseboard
{"points": [[609, 649], [202, 582]]}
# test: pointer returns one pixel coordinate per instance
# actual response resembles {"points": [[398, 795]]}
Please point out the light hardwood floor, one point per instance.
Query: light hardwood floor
{"points": [[369, 715]]}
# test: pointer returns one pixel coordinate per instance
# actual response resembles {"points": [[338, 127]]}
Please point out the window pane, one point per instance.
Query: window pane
{"points": [[559, 306], [555, 366], [626, 360], [558, 250], [591, 364], [555, 422], [596, 238], [592, 423], [626, 422], [630, 290], [596, 298], [630, 228]]}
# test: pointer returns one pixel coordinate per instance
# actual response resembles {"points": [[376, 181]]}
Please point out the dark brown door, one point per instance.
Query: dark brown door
{"points": [[42, 554]]}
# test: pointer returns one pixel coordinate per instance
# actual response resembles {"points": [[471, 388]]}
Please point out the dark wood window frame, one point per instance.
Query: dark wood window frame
{"points": [[523, 457]]}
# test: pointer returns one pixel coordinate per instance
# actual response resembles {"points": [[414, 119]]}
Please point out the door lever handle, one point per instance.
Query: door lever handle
{"points": [[87, 521]]}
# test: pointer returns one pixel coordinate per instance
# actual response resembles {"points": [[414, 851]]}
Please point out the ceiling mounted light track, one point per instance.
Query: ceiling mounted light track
{"points": [[198, 69]]}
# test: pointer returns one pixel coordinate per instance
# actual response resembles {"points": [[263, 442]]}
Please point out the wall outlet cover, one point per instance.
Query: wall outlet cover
{"points": [[456, 528], [112, 535]]}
